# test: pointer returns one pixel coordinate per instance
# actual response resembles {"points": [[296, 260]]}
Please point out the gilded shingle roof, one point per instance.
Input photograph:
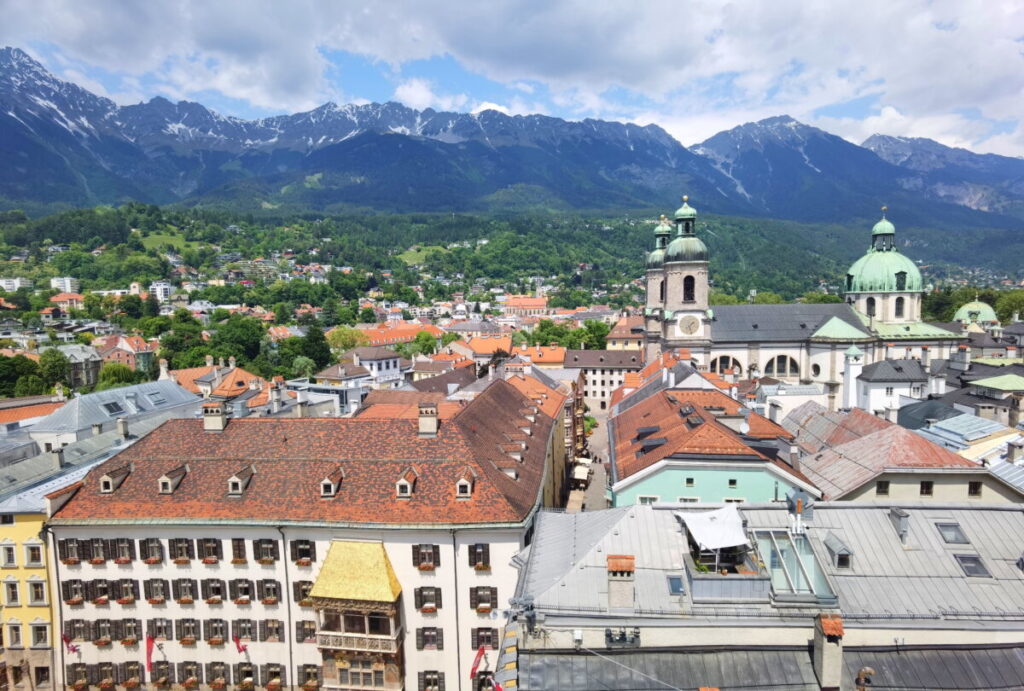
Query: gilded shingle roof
{"points": [[357, 571]]}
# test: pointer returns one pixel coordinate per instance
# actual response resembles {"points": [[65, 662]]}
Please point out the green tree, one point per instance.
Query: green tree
{"points": [[814, 297], [303, 366], [367, 316], [449, 338], [717, 298], [344, 338], [131, 305], [424, 343], [595, 334], [114, 374], [29, 385], [1008, 304], [54, 367], [151, 307], [767, 297], [315, 346]]}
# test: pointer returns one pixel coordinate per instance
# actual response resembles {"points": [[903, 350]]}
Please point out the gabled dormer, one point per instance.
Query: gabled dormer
{"points": [[238, 482], [169, 482], [112, 480], [406, 484], [330, 485], [465, 482]]}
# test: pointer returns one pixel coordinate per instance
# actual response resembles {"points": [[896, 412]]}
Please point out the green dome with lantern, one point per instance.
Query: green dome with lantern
{"points": [[656, 259], [685, 211], [884, 269], [976, 312], [686, 246]]}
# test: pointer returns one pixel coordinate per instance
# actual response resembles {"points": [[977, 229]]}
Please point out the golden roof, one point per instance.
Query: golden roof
{"points": [[357, 571]]}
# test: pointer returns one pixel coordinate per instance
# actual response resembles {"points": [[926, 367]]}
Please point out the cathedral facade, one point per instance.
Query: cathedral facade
{"points": [[796, 343]]}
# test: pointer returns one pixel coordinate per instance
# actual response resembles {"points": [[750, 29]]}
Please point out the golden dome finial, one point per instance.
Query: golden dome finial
{"points": [[884, 209], [686, 198], [664, 217]]}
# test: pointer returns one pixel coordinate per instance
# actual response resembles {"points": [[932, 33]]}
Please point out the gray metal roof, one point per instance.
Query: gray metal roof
{"points": [[906, 370], [916, 415], [1009, 473], [959, 431], [937, 669], [766, 668], [33, 499], [764, 323], [81, 412]]}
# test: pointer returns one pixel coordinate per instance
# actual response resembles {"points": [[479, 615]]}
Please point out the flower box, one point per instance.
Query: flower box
{"points": [[269, 600], [123, 560], [210, 560], [213, 600], [75, 600], [102, 600], [266, 560], [156, 600], [130, 641], [185, 601], [274, 685], [182, 560], [246, 686], [132, 683], [97, 560], [188, 640], [483, 609], [303, 562], [152, 560], [80, 685], [307, 602], [215, 640], [482, 567], [191, 683], [239, 560], [310, 686], [429, 609], [242, 601], [218, 684], [71, 561], [102, 642], [126, 600], [107, 684], [162, 681], [426, 566]]}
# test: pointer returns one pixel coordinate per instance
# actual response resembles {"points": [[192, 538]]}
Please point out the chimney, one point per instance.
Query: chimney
{"points": [[275, 397], [301, 409], [231, 362], [428, 420], [122, 428], [97, 429], [57, 459], [1013, 451], [621, 586], [164, 372], [794, 456], [925, 357], [891, 414], [929, 422], [901, 521], [220, 362], [215, 417], [209, 361], [828, 651], [961, 359]]}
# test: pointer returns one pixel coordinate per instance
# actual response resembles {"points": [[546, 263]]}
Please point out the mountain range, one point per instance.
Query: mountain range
{"points": [[63, 146]]}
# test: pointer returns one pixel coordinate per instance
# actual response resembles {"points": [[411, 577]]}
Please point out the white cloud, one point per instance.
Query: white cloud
{"points": [[487, 105], [690, 67]]}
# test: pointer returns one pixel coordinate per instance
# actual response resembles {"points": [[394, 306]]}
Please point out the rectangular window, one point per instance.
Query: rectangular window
{"points": [[480, 556], [688, 500], [124, 549], [265, 549], [842, 561], [431, 681], [12, 596], [305, 631], [675, 585], [6, 519], [9, 556], [36, 593], [34, 555], [927, 488], [733, 500], [689, 482], [426, 557], [732, 483], [952, 534], [882, 488], [647, 499], [238, 549], [151, 549], [972, 565], [274, 630], [888, 391], [974, 488], [209, 548], [427, 599], [487, 638], [42, 675], [13, 635], [40, 636], [243, 628]]}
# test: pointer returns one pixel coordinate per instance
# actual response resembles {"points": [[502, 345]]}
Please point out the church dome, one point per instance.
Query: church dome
{"points": [[976, 312], [685, 211], [686, 248], [656, 259], [661, 233], [884, 269]]}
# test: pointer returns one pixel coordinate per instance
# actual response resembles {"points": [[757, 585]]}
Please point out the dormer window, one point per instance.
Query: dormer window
{"points": [[327, 489], [165, 487], [234, 487], [330, 485], [106, 486], [406, 483], [404, 490], [464, 489], [170, 481]]}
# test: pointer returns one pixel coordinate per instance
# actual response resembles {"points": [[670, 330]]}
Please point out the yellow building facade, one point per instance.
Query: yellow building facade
{"points": [[27, 602]]}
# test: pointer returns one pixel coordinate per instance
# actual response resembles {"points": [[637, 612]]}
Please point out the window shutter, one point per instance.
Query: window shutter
{"points": [[312, 550], [419, 639], [134, 585], [238, 672], [440, 681], [238, 548], [236, 629], [494, 639], [158, 550], [494, 596], [256, 548], [415, 555], [93, 674], [297, 590], [421, 681], [264, 674], [70, 672], [204, 588], [151, 627], [65, 591], [474, 639], [437, 555], [90, 590], [119, 672], [219, 547], [299, 635], [440, 639], [283, 672], [472, 555], [85, 549], [260, 589], [294, 548], [176, 588], [117, 629], [110, 548], [437, 595], [208, 629], [276, 547], [209, 672], [418, 596], [131, 548], [190, 547], [233, 589], [147, 587], [62, 552], [474, 598], [179, 629], [487, 554], [263, 630]]}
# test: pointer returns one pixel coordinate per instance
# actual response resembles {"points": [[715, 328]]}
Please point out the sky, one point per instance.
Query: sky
{"points": [[951, 71]]}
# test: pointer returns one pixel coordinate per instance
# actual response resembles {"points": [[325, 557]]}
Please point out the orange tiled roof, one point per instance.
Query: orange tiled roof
{"points": [[26, 412], [542, 355], [67, 297], [292, 455], [526, 302], [489, 345], [550, 401], [11, 352]]}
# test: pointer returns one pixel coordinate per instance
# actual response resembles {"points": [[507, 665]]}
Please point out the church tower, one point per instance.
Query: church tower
{"points": [[655, 303], [884, 284], [685, 321]]}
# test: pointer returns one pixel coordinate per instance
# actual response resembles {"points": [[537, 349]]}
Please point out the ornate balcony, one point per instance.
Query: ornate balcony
{"points": [[356, 642]]}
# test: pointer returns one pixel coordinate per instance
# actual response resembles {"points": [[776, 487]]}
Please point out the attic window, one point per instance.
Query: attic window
{"points": [[327, 489], [842, 561], [106, 486], [404, 490], [952, 534], [234, 487], [113, 407], [165, 487], [463, 488], [972, 565]]}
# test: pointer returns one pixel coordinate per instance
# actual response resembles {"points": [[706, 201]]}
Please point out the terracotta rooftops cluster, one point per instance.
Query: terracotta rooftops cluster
{"points": [[499, 439]]}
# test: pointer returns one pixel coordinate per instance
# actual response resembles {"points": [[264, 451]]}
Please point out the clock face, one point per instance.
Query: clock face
{"points": [[688, 325]]}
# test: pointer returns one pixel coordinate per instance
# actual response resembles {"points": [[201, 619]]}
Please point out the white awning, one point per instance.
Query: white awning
{"points": [[581, 472], [715, 529]]}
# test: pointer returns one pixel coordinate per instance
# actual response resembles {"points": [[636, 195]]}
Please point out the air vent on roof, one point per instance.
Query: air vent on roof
{"points": [[644, 432], [754, 325], [695, 421], [686, 410]]}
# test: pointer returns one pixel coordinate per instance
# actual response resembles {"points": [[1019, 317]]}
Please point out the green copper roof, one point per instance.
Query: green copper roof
{"points": [[879, 271], [685, 211], [884, 227], [854, 351], [913, 330], [998, 361], [655, 259], [836, 329], [686, 248], [1004, 382], [975, 311]]}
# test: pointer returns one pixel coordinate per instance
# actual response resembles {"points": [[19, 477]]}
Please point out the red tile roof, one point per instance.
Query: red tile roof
{"points": [[832, 625], [541, 355], [292, 455], [26, 412]]}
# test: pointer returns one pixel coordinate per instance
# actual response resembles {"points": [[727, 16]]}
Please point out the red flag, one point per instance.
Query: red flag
{"points": [[238, 644], [496, 686], [476, 662], [71, 648], [150, 643]]}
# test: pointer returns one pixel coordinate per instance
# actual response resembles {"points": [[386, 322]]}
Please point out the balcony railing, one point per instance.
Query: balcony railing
{"points": [[359, 642]]}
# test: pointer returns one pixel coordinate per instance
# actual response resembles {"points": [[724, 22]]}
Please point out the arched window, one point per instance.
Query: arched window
{"points": [[689, 290], [724, 362], [899, 307], [849, 281], [661, 291], [871, 307], [901, 280], [782, 366]]}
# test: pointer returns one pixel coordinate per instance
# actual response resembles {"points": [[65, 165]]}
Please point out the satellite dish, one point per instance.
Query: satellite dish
{"points": [[744, 427]]}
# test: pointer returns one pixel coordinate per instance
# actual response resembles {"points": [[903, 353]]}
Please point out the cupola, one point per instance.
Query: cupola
{"points": [[686, 246], [661, 234], [883, 269]]}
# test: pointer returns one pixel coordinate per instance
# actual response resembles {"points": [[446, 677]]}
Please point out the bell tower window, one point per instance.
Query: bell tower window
{"points": [[871, 307], [661, 291], [899, 306], [689, 289]]}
